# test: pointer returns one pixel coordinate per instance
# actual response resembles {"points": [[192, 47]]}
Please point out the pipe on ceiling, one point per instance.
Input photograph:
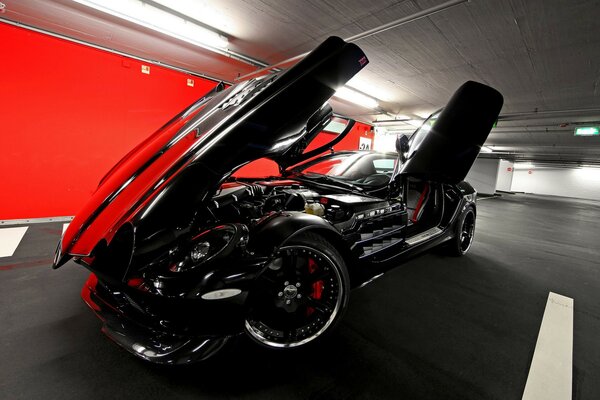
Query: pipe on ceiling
{"points": [[404, 20], [107, 49], [524, 116], [382, 28], [225, 52], [541, 158], [568, 130], [517, 116], [543, 162]]}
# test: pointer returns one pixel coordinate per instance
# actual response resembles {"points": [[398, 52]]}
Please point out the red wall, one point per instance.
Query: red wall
{"points": [[68, 113]]}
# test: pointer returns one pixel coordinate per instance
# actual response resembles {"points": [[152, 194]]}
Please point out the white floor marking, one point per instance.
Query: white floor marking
{"points": [[551, 372], [65, 226], [10, 239]]}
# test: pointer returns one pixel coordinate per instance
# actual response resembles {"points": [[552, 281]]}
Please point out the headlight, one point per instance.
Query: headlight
{"points": [[200, 251], [210, 244]]}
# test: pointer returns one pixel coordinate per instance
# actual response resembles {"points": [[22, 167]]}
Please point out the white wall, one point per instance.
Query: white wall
{"points": [[384, 142], [505, 175], [582, 183], [484, 175]]}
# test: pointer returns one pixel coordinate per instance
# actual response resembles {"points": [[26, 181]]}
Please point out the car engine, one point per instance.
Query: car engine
{"points": [[248, 202]]}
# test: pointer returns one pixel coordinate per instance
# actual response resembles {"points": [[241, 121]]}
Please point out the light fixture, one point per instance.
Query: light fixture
{"points": [[362, 85], [154, 18], [423, 114], [335, 126], [588, 173], [525, 165], [355, 97], [486, 149], [587, 131]]}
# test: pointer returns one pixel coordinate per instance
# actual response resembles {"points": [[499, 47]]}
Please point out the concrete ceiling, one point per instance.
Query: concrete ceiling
{"points": [[543, 55]]}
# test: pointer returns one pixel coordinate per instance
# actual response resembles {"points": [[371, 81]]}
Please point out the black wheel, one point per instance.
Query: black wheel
{"points": [[465, 232], [301, 296]]}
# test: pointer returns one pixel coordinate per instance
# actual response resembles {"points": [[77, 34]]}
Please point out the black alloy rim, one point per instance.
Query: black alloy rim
{"points": [[467, 232], [296, 299]]}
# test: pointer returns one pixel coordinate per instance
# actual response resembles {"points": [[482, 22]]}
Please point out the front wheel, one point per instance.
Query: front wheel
{"points": [[301, 296], [465, 232]]}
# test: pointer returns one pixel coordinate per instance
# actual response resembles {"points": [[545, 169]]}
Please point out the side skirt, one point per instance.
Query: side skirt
{"points": [[423, 236]]}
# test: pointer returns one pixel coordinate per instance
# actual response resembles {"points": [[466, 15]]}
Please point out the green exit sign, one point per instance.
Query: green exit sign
{"points": [[587, 131]]}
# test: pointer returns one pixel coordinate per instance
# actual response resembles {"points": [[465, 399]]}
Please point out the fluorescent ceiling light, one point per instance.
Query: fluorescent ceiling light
{"points": [[154, 18], [355, 97], [588, 173], [211, 14], [424, 114], [524, 166], [486, 149], [359, 83]]}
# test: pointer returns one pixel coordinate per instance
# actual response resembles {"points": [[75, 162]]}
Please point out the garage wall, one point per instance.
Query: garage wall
{"points": [[505, 175], [583, 183], [384, 141], [483, 175], [69, 112]]}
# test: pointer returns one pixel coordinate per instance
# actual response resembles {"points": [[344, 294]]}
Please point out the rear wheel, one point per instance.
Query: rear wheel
{"points": [[465, 232], [301, 296]]}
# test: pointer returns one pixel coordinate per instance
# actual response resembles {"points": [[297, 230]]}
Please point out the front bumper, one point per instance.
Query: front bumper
{"points": [[160, 346]]}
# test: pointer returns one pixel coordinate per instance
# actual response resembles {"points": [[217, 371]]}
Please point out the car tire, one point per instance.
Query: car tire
{"points": [[301, 296], [464, 234]]}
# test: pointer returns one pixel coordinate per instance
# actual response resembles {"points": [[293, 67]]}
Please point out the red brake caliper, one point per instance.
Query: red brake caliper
{"points": [[317, 287]]}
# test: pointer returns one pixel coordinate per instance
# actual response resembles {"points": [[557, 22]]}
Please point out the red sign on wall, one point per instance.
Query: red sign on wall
{"points": [[509, 169]]}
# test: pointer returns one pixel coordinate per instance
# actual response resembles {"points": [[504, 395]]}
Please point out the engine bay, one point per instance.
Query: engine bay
{"points": [[249, 201]]}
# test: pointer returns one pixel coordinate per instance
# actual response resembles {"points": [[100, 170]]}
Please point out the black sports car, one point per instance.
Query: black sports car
{"points": [[184, 256]]}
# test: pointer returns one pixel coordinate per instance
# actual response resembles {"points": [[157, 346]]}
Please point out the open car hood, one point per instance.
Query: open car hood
{"points": [[160, 183]]}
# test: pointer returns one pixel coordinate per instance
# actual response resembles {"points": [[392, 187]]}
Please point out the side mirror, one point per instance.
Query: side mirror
{"points": [[402, 146]]}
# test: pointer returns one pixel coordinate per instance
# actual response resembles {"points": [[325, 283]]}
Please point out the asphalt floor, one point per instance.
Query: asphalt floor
{"points": [[435, 327]]}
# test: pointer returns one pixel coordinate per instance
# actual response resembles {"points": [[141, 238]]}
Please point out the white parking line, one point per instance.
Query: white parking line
{"points": [[551, 372], [10, 239]]}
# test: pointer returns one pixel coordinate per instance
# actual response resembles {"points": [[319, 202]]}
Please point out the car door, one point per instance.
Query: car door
{"points": [[445, 147]]}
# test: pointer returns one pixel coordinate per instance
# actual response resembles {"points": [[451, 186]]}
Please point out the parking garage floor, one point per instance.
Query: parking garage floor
{"points": [[436, 327]]}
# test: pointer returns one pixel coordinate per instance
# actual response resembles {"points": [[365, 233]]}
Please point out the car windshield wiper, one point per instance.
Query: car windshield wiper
{"points": [[327, 178]]}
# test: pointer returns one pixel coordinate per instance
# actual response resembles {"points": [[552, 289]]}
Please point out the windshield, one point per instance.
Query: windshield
{"points": [[419, 135], [361, 169]]}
